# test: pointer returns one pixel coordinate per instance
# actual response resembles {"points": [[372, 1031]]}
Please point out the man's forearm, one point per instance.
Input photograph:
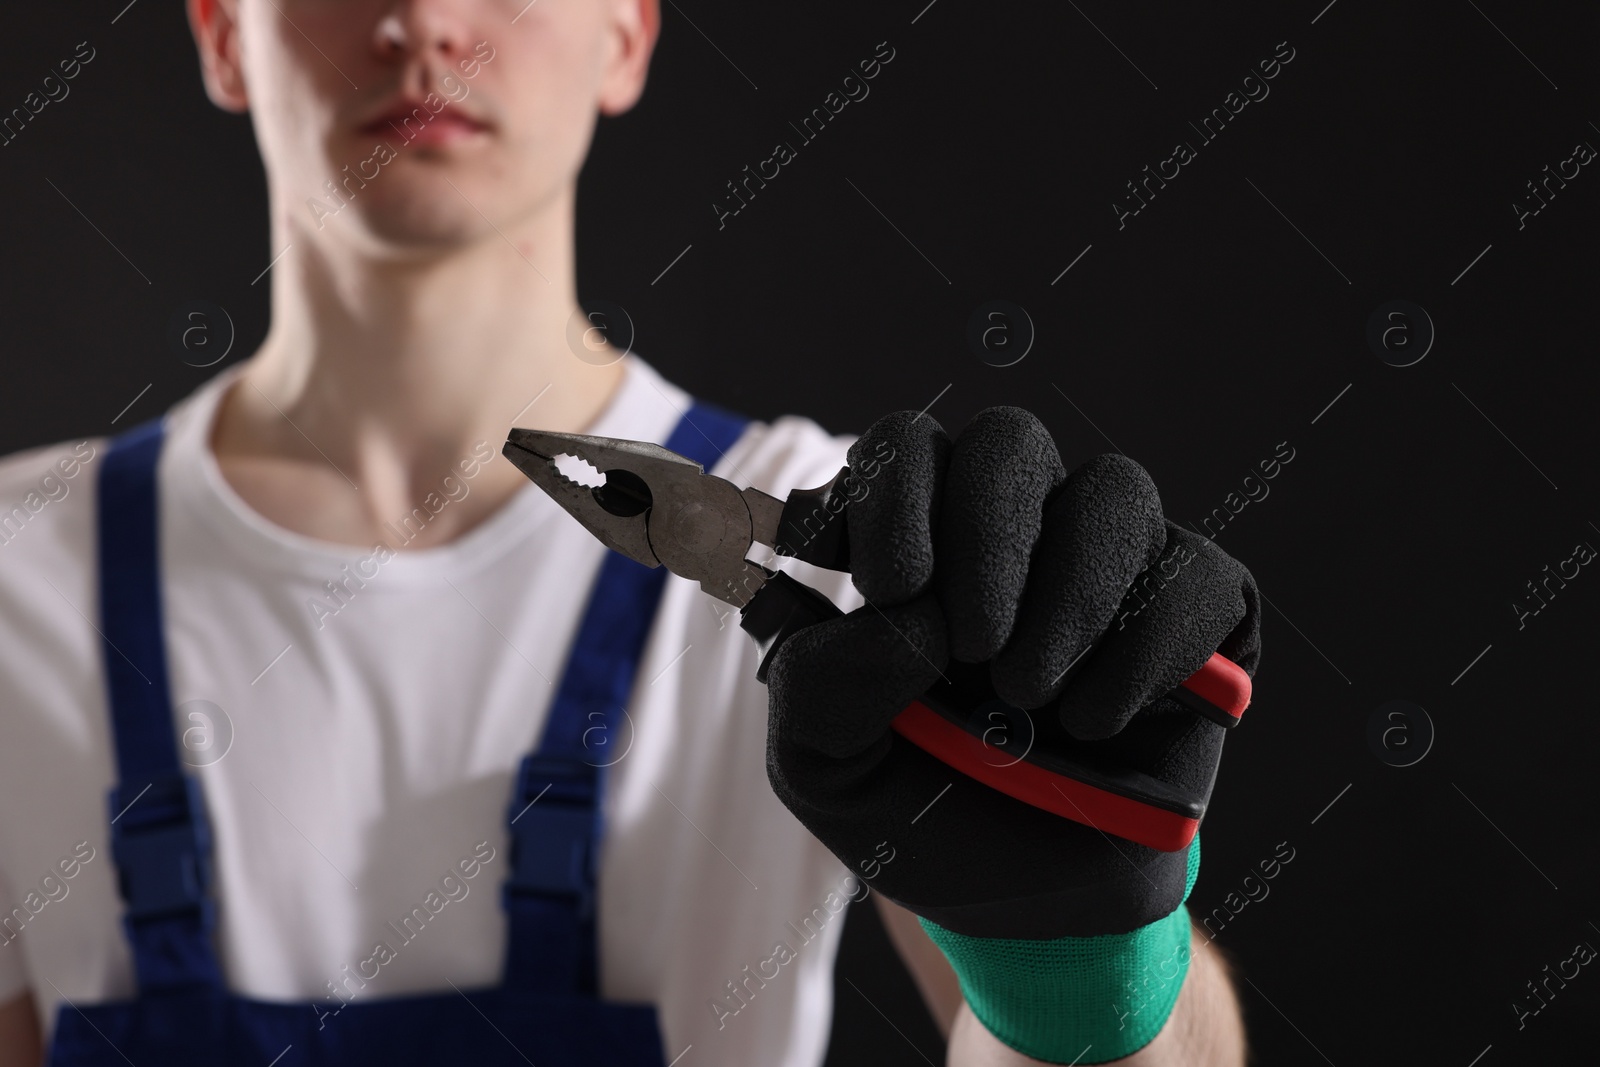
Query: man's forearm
{"points": [[1204, 1029]]}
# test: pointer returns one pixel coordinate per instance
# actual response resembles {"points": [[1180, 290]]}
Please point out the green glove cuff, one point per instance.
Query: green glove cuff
{"points": [[1076, 1000]]}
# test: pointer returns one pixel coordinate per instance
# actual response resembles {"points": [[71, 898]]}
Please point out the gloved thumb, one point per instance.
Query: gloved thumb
{"points": [[835, 687]]}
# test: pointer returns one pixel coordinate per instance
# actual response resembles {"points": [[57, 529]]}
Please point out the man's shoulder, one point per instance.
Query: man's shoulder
{"points": [[47, 506], [46, 500], [47, 599], [26, 467]]}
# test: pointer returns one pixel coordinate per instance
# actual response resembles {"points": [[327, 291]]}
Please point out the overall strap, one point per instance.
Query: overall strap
{"points": [[556, 827], [160, 838]]}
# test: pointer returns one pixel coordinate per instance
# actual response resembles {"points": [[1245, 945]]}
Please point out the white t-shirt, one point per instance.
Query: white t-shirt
{"points": [[374, 739]]}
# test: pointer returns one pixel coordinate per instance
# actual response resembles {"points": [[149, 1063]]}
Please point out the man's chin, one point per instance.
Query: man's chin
{"points": [[417, 224], [422, 232], [418, 203]]}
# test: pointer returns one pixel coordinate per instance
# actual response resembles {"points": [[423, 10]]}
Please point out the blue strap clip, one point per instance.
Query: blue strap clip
{"points": [[161, 842], [555, 824]]}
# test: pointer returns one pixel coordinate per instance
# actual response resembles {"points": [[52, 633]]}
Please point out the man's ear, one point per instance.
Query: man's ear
{"points": [[634, 27], [215, 25]]}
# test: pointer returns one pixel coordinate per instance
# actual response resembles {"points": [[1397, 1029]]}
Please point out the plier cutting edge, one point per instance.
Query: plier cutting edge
{"points": [[661, 509]]}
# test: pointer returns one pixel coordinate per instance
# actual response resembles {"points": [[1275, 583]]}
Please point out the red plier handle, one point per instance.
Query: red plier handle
{"points": [[1118, 801], [961, 723]]}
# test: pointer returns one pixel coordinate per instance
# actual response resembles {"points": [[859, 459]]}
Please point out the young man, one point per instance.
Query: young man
{"points": [[365, 619]]}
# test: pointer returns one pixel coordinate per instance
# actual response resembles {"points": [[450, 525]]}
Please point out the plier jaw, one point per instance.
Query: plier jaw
{"points": [[614, 506], [652, 505]]}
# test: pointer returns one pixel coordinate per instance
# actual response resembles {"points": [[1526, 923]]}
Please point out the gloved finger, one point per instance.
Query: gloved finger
{"points": [[1003, 465], [1243, 643], [1193, 602], [834, 687], [1102, 529], [898, 466]]}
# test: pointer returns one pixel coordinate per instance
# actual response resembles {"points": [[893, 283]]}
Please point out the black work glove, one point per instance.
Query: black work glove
{"points": [[986, 551]]}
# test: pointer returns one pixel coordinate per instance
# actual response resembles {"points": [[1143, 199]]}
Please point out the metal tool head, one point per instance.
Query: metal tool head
{"points": [[651, 504]]}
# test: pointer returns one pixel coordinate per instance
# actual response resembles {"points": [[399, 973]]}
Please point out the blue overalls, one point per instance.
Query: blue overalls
{"points": [[546, 1010]]}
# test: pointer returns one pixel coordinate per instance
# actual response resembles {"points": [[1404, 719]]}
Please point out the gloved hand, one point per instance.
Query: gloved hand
{"points": [[985, 551]]}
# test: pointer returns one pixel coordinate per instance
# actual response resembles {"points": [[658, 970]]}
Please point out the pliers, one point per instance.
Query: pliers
{"points": [[660, 508]]}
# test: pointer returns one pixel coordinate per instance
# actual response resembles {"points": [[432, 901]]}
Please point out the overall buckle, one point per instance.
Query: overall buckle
{"points": [[161, 845], [554, 820]]}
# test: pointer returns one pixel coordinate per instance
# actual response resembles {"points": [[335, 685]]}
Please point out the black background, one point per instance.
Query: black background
{"points": [[1195, 339]]}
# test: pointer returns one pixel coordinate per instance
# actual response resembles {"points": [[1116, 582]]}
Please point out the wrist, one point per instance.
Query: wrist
{"points": [[1077, 1000]]}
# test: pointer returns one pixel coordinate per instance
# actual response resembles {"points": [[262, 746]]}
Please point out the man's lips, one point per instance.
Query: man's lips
{"points": [[450, 118]]}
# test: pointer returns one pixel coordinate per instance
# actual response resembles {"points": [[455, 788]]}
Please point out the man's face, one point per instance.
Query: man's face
{"points": [[429, 122]]}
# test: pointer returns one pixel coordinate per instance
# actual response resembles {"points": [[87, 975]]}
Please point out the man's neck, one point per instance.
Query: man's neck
{"points": [[379, 377]]}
